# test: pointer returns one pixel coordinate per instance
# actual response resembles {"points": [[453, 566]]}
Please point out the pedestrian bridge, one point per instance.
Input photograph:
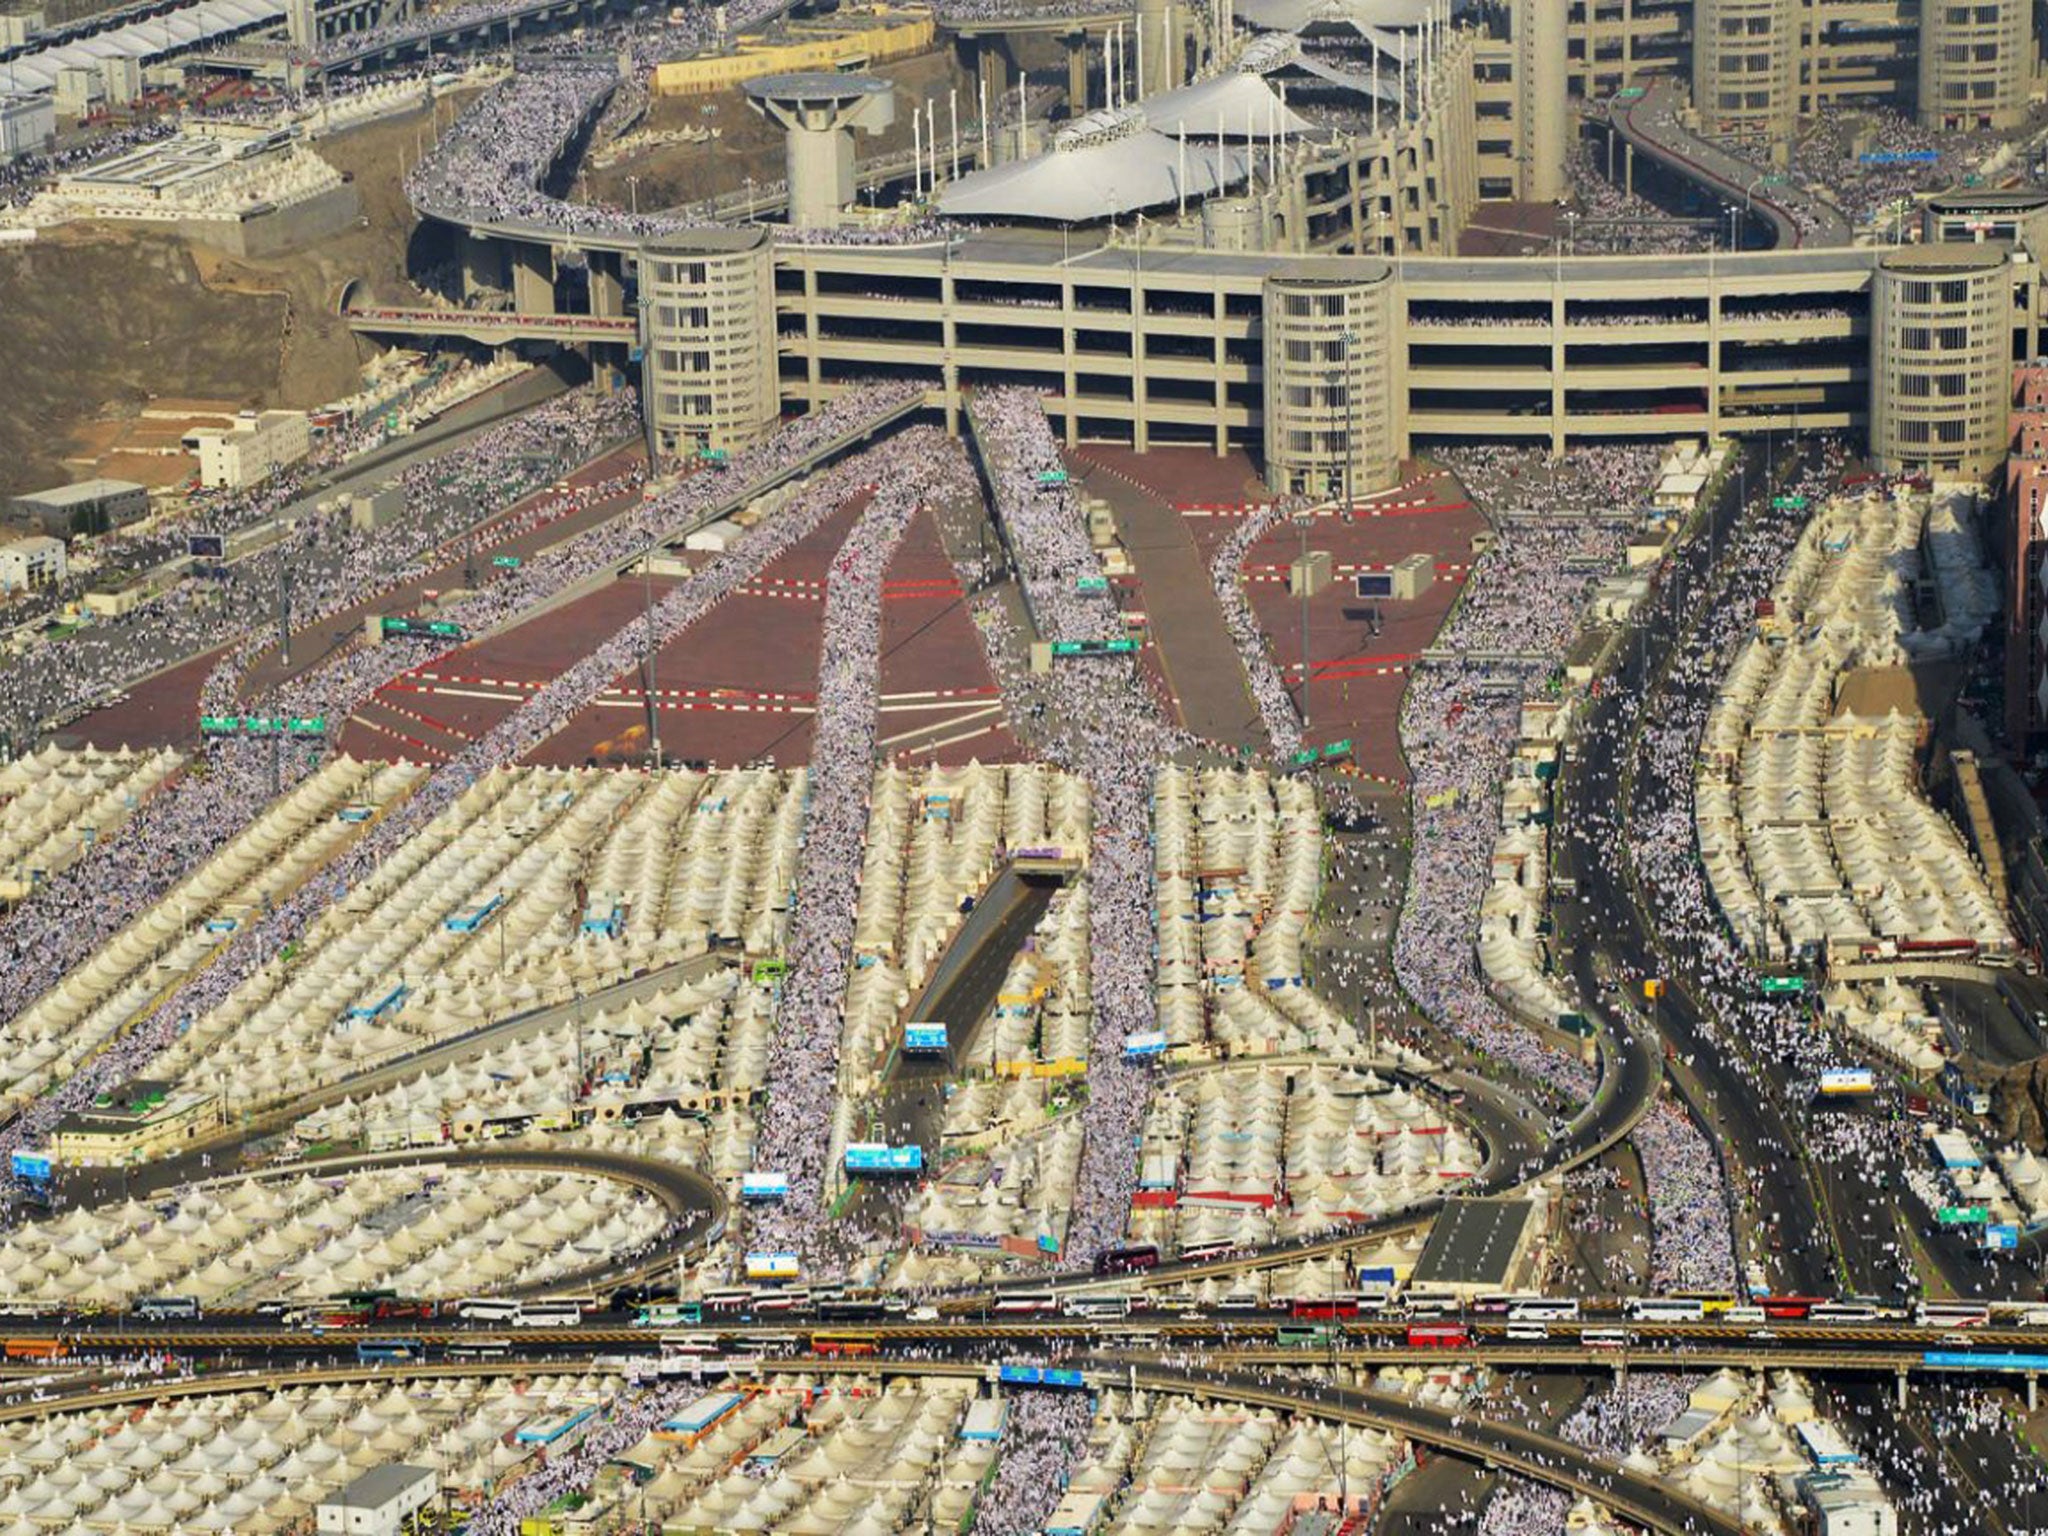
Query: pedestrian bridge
{"points": [[492, 327]]}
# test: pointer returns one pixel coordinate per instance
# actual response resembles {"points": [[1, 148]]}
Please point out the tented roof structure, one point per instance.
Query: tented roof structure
{"points": [[1106, 164], [1239, 105], [147, 39]]}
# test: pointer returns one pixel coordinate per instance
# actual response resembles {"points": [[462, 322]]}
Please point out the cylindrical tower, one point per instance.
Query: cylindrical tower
{"points": [[708, 328], [1329, 369], [1941, 359], [1745, 67], [819, 111], [1542, 107], [1975, 60]]}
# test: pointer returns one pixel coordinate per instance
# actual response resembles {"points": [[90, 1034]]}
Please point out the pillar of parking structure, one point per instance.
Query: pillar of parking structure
{"points": [[2033, 1391], [607, 290], [483, 266], [1159, 23], [1544, 107], [998, 81], [818, 113], [533, 280]]}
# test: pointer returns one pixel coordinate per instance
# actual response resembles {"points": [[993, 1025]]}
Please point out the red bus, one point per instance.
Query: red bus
{"points": [[1121, 1261], [844, 1344], [1791, 1308], [1324, 1308], [1438, 1336], [37, 1349]]}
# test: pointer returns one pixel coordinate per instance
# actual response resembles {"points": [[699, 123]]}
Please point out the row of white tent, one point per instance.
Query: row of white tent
{"points": [[421, 1233], [258, 1462], [863, 1470], [1511, 911], [1158, 1463], [1812, 827], [172, 940], [1249, 1161], [703, 1038], [56, 804], [1238, 871], [478, 918], [933, 839]]}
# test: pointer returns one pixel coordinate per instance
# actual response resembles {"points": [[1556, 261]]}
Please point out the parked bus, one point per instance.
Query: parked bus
{"points": [[398, 1351], [1122, 1261], [1096, 1306], [487, 1309], [1526, 1332], [1303, 1338], [1603, 1338], [548, 1314], [687, 1344], [1438, 1336], [1849, 1309], [37, 1349], [161, 1309], [669, 1314], [480, 1349], [1664, 1309], [845, 1345], [1556, 1309], [1322, 1308], [1791, 1308], [1952, 1314], [1025, 1303]]}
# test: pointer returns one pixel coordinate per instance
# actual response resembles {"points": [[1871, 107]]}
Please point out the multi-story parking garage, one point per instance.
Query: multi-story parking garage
{"points": [[1312, 309]]}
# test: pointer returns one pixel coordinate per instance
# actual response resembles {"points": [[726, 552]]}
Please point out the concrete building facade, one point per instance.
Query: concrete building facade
{"points": [[252, 450], [1745, 67], [1941, 359], [1331, 417], [1976, 63], [29, 565], [709, 325]]}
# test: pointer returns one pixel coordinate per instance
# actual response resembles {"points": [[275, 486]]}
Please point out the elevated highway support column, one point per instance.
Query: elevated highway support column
{"points": [[1077, 72], [533, 279]]}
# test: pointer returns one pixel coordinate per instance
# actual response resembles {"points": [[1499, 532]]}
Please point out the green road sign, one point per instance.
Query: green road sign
{"points": [[1337, 749], [1779, 986], [1963, 1215], [1788, 503], [1094, 647], [505, 562], [1090, 584], [442, 629]]}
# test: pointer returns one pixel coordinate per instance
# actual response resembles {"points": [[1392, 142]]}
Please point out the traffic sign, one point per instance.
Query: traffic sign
{"points": [[1963, 1215], [505, 562], [1124, 647], [1777, 986], [1788, 503]]}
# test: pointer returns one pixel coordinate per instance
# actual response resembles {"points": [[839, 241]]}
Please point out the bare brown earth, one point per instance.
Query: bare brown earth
{"points": [[99, 321], [750, 145]]}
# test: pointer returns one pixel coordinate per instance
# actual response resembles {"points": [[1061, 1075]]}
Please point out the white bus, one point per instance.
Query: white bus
{"points": [[1556, 1309], [1665, 1309], [684, 1344], [549, 1314], [1952, 1314], [1097, 1306], [1527, 1332], [479, 1349], [487, 1309], [1604, 1338], [1022, 1303]]}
